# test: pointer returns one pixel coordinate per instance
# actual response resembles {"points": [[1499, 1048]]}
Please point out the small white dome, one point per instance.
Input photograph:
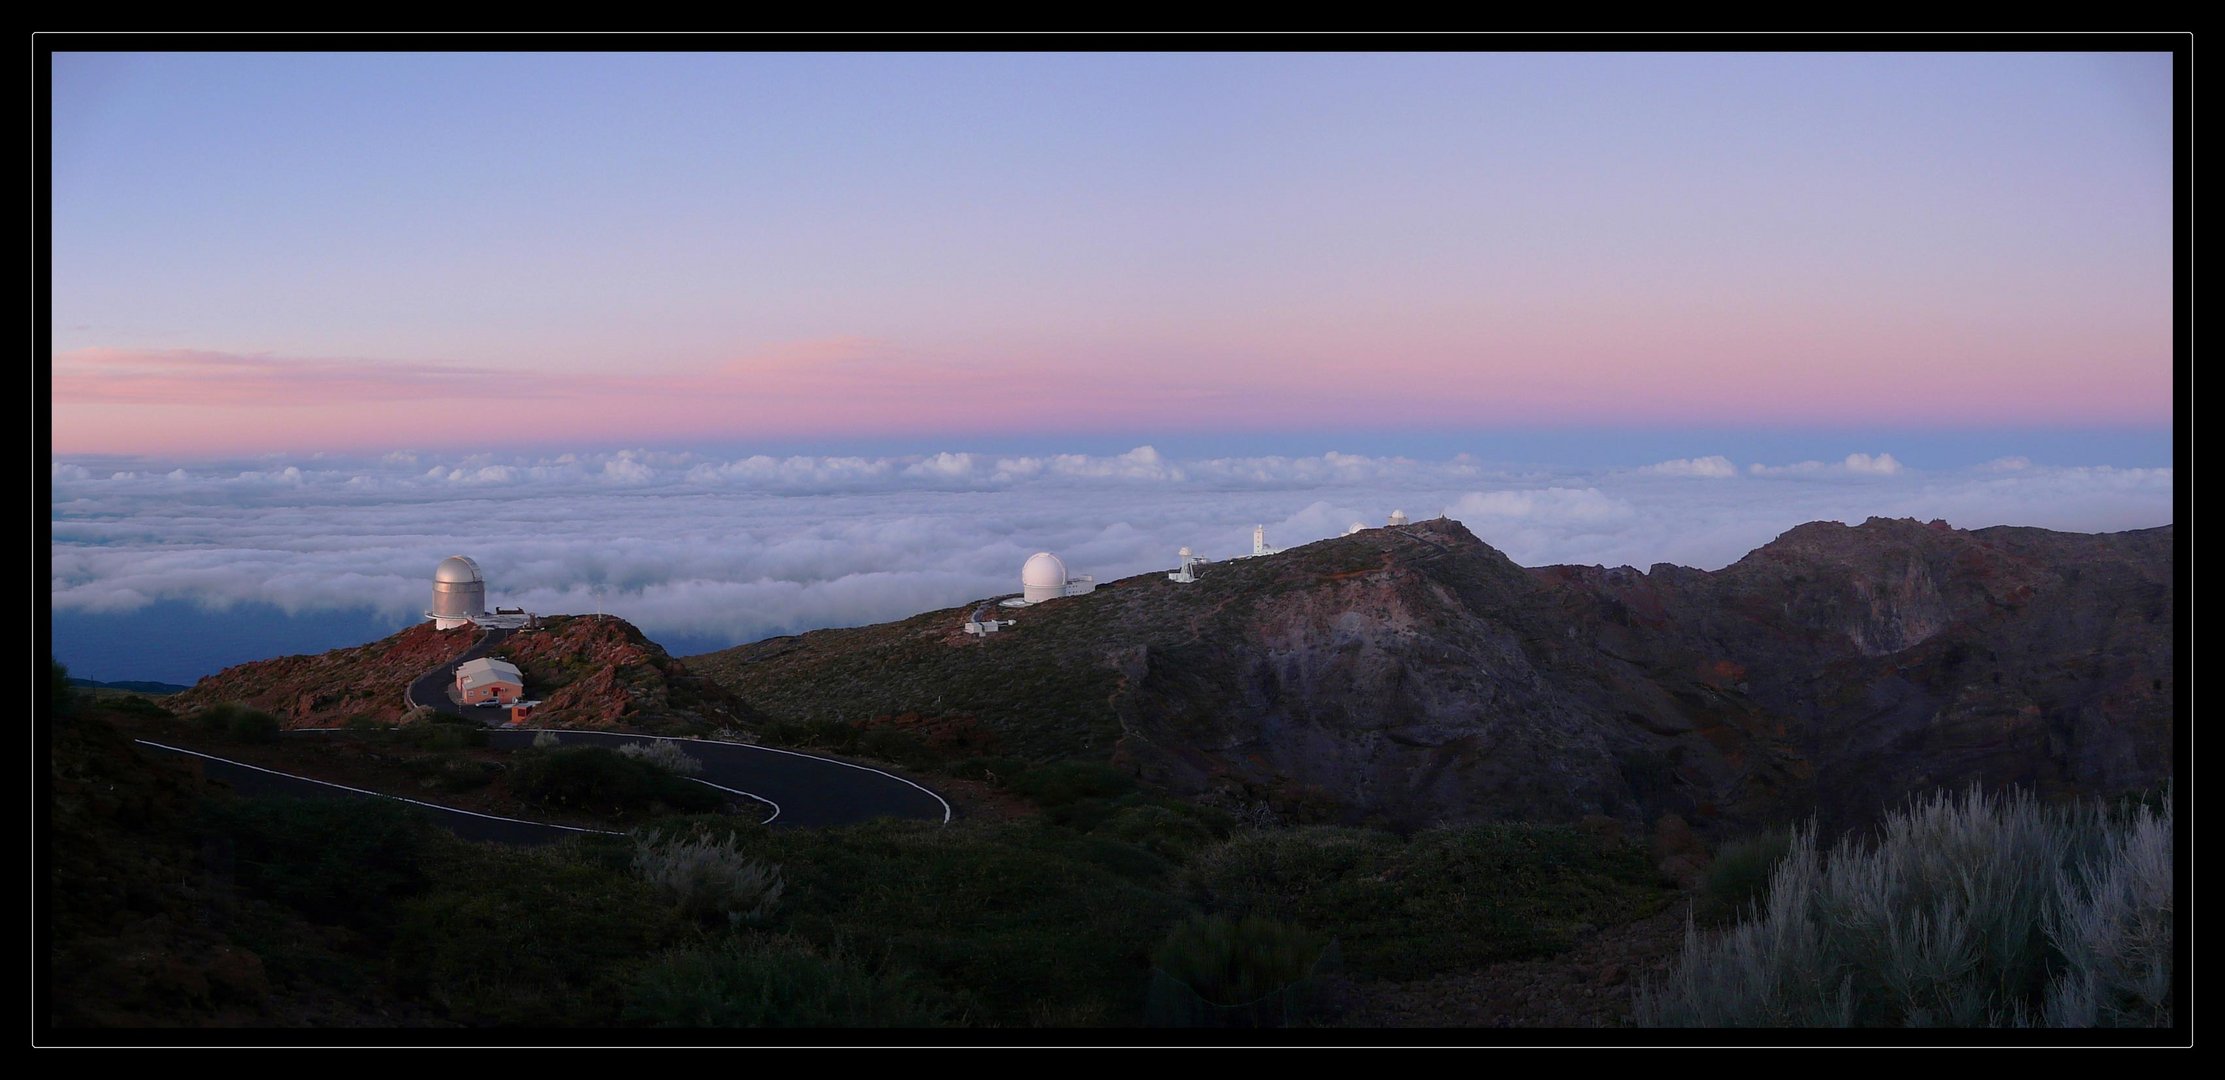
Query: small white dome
{"points": [[1043, 570], [1398, 517], [1356, 527], [1184, 553], [457, 570]]}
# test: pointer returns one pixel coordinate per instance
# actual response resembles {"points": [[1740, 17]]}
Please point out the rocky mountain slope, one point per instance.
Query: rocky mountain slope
{"points": [[329, 689], [1416, 675], [587, 672]]}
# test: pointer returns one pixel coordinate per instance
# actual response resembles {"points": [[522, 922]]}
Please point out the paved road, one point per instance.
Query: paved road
{"points": [[253, 780], [431, 689], [809, 791], [797, 790]]}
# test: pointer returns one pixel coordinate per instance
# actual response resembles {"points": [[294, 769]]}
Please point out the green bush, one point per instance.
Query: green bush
{"points": [[237, 723], [709, 881], [62, 698], [137, 705], [1248, 972], [454, 774], [1964, 911], [780, 982], [1439, 900], [594, 779], [536, 936], [342, 861], [1017, 923], [1738, 880], [1158, 829], [1068, 782], [664, 754], [439, 737]]}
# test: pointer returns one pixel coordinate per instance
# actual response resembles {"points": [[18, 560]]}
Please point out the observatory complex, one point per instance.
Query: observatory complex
{"points": [[1044, 577], [460, 599], [459, 593]]}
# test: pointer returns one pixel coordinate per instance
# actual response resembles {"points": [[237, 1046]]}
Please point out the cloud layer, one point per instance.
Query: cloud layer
{"points": [[735, 549]]}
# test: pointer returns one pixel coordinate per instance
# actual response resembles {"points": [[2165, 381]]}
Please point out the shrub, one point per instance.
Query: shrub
{"points": [[238, 723], [137, 705], [662, 753], [343, 861], [1965, 911], [528, 936], [1738, 880], [1159, 830], [453, 774], [2112, 922], [595, 779], [776, 983], [1070, 781], [1438, 900], [62, 697], [440, 737], [709, 881], [1249, 972], [546, 740]]}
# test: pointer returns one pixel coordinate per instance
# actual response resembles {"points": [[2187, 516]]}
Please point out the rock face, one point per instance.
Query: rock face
{"points": [[602, 673], [329, 689], [586, 672], [1417, 675]]}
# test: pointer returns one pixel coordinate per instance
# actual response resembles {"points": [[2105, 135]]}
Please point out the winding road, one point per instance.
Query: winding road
{"points": [[430, 690], [796, 789]]}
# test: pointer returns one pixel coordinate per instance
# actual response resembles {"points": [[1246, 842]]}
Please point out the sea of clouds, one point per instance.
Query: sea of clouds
{"points": [[730, 549]]}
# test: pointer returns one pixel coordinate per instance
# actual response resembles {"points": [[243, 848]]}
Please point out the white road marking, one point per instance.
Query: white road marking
{"points": [[749, 746], [744, 794], [376, 794]]}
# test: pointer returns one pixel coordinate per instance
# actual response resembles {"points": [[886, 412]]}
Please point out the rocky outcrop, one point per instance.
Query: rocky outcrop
{"points": [[603, 673], [598, 673], [1416, 675], [329, 689]]}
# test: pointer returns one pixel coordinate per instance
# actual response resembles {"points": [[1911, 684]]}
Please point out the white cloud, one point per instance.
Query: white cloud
{"points": [[1711, 467], [737, 549], [1854, 465]]}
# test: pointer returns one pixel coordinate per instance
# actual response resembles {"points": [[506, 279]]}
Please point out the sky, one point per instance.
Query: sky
{"points": [[303, 252], [742, 344]]}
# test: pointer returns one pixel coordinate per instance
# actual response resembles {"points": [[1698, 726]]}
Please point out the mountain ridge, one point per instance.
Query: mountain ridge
{"points": [[1415, 674]]}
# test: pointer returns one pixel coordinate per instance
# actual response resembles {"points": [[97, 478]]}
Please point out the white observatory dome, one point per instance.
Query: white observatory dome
{"points": [[1398, 517], [459, 593], [1356, 527], [1184, 553], [1042, 577]]}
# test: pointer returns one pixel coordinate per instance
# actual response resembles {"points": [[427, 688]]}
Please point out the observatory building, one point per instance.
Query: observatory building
{"points": [[1398, 517], [488, 681], [1191, 564], [459, 593], [1044, 577]]}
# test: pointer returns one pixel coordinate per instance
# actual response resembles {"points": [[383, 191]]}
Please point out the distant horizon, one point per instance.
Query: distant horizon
{"points": [[356, 251], [756, 341], [244, 558]]}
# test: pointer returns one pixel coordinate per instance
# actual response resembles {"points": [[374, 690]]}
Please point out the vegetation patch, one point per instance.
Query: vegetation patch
{"points": [[597, 780], [1440, 900], [1962, 911]]}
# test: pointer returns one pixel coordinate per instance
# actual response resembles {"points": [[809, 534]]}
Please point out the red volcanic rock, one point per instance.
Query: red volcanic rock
{"points": [[328, 689], [587, 672]]}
